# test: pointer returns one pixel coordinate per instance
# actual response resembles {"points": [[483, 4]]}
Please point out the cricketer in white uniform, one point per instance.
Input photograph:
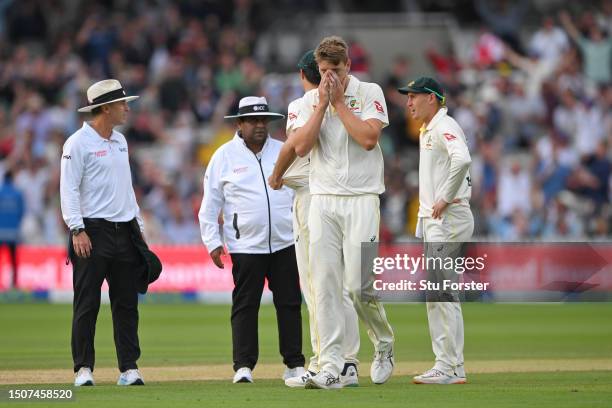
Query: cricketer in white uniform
{"points": [[444, 216], [293, 171], [339, 125]]}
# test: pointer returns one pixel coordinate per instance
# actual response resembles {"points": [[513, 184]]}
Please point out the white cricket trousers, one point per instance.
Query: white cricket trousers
{"points": [[338, 225], [350, 345], [445, 318]]}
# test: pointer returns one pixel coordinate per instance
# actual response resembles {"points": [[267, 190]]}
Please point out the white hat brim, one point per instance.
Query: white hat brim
{"points": [[273, 116], [89, 108]]}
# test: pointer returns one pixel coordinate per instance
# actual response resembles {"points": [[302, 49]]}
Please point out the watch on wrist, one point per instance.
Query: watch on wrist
{"points": [[76, 231]]}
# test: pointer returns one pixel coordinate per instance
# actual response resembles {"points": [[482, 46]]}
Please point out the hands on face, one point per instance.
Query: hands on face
{"points": [[336, 89], [331, 89]]}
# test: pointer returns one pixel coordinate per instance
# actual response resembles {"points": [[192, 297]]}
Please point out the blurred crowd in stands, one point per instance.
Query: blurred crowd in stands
{"points": [[533, 99]]}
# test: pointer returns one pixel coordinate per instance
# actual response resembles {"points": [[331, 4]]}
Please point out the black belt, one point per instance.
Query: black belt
{"points": [[102, 221]]}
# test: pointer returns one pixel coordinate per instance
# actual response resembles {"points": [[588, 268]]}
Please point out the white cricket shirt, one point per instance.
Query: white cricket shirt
{"points": [[443, 164], [96, 180], [297, 174], [338, 164]]}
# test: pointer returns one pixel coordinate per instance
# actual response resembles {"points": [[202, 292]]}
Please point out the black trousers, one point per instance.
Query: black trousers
{"points": [[249, 272], [114, 258]]}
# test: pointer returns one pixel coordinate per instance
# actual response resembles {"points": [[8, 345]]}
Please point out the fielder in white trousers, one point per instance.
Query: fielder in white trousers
{"points": [[351, 341], [446, 318], [338, 225]]}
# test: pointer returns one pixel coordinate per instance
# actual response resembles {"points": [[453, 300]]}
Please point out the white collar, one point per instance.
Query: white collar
{"points": [[238, 139], [93, 133], [437, 117], [352, 87]]}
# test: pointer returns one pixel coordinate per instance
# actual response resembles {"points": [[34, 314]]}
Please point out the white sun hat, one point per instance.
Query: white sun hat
{"points": [[104, 92]]}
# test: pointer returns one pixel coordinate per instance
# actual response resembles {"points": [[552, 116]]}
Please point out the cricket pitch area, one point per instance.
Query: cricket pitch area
{"points": [[540, 355]]}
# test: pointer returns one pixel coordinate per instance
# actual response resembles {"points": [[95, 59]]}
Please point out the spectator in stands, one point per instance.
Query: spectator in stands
{"points": [[12, 209], [596, 50], [513, 190], [549, 41], [504, 18]]}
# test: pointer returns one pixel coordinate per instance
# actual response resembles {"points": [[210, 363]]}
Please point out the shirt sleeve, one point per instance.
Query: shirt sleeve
{"points": [[374, 105], [306, 110], [71, 174], [454, 142], [293, 111], [212, 203], [139, 219]]}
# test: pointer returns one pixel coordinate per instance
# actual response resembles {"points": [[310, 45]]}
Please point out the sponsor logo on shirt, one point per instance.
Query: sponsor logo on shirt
{"points": [[100, 153], [123, 149], [291, 116], [379, 107], [67, 157], [239, 170], [450, 137], [428, 143]]}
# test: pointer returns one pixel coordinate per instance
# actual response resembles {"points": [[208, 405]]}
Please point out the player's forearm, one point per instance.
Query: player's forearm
{"points": [[361, 131], [306, 136], [457, 172], [286, 156]]}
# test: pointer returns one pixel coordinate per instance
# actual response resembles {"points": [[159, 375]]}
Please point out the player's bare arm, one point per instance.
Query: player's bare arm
{"points": [[365, 132], [306, 136], [286, 156]]}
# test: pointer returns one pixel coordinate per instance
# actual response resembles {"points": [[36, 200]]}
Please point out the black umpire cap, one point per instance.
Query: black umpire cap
{"points": [[424, 85]]}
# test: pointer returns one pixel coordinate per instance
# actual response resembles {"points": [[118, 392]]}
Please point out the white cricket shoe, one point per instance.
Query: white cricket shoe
{"points": [[243, 375], [435, 376], [323, 380], [382, 366], [130, 377], [299, 381], [83, 377], [349, 377], [293, 372], [460, 371]]}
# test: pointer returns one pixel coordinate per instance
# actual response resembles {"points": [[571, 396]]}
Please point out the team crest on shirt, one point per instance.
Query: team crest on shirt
{"points": [[354, 106]]}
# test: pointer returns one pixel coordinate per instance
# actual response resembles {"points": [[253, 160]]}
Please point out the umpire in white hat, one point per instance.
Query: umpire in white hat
{"points": [[257, 229], [99, 206]]}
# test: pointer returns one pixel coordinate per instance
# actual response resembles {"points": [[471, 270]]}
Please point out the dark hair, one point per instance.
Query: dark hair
{"points": [[8, 176], [313, 76], [96, 111]]}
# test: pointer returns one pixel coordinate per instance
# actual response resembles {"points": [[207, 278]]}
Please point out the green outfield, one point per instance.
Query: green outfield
{"points": [[544, 355]]}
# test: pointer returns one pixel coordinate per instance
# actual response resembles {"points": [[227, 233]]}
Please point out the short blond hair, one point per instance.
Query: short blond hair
{"points": [[332, 49]]}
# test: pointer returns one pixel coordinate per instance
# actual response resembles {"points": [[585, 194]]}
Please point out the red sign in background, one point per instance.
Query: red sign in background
{"points": [[509, 267], [185, 268]]}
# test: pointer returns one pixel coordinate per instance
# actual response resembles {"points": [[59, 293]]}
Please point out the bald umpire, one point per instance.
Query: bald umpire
{"points": [[99, 206]]}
